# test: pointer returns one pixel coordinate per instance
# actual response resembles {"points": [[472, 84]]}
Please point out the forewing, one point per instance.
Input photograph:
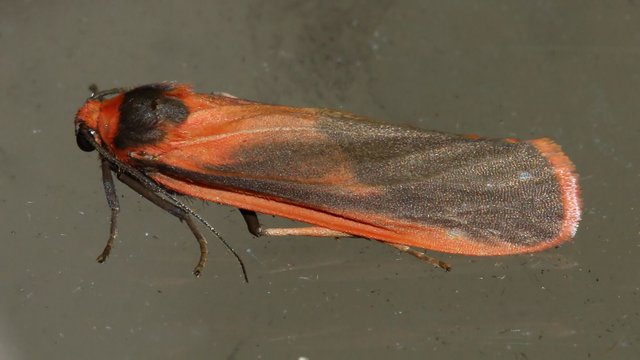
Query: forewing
{"points": [[493, 192]]}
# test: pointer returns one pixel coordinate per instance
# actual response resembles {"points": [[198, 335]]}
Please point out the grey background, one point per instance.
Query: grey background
{"points": [[569, 70]]}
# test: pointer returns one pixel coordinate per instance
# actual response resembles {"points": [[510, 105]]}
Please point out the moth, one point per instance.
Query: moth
{"points": [[343, 174]]}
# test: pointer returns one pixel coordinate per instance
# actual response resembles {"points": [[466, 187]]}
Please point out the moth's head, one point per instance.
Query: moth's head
{"points": [[88, 117], [86, 123], [123, 118]]}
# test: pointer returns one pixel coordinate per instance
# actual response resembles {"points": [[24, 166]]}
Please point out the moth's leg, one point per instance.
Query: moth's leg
{"points": [[173, 210], [253, 224], [422, 256], [112, 201]]}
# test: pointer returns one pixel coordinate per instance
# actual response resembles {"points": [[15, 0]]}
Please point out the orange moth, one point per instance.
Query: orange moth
{"points": [[343, 174]]}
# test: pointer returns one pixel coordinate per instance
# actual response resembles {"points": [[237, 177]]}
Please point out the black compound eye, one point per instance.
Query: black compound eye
{"points": [[83, 143]]}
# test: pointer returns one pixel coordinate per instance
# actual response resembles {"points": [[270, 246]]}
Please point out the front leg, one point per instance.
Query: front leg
{"points": [[175, 211]]}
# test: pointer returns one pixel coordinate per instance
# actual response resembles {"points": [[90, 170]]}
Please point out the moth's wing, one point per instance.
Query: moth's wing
{"points": [[422, 188]]}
